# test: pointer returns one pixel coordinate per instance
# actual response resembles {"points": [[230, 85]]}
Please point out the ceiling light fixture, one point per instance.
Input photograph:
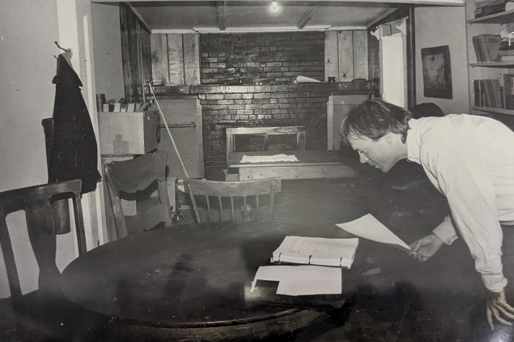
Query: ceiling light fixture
{"points": [[274, 7]]}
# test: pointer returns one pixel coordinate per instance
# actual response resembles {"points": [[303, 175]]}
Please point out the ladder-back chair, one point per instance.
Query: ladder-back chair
{"points": [[136, 180], [241, 200], [37, 202]]}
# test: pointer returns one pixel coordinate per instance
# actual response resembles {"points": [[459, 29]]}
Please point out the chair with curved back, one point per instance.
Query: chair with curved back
{"points": [[240, 200], [41, 314], [136, 180]]}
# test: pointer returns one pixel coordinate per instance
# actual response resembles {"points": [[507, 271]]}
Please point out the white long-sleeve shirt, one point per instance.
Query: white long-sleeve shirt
{"points": [[470, 159]]}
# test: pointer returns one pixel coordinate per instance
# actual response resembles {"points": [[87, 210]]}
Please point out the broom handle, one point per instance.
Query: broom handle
{"points": [[169, 132]]}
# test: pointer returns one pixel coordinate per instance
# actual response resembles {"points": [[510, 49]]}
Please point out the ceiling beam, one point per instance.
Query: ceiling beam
{"points": [[261, 29], [307, 17], [413, 2], [220, 13], [140, 17]]}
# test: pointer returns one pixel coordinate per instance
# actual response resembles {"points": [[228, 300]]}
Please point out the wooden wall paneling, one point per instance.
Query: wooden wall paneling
{"points": [[136, 90], [374, 63], [360, 54], [146, 56], [331, 55], [184, 118], [199, 140], [191, 58], [345, 47], [176, 58], [159, 46], [125, 51]]}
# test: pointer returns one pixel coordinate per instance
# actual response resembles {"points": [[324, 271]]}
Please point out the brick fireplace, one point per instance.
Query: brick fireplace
{"points": [[247, 80]]}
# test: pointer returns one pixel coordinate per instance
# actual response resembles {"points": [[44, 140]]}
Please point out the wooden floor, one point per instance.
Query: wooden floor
{"points": [[427, 304]]}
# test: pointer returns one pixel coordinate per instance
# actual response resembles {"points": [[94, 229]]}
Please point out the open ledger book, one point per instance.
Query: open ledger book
{"points": [[368, 227], [316, 251]]}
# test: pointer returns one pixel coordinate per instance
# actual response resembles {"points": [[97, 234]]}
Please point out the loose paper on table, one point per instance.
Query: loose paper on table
{"points": [[368, 227], [301, 280]]}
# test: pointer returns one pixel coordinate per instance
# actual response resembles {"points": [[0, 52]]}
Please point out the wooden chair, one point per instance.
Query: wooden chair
{"points": [[245, 200], [40, 315], [136, 180]]}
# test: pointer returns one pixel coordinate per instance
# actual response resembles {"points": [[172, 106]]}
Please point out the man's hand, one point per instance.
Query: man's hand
{"points": [[498, 308], [425, 247]]}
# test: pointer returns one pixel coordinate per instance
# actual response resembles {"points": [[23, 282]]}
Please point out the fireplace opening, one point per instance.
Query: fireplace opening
{"points": [[258, 139]]}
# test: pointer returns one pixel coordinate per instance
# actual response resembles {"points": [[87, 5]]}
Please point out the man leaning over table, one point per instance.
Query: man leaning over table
{"points": [[469, 159]]}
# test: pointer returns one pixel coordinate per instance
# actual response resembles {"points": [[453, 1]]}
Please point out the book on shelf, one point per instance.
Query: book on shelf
{"points": [[478, 50], [486, 3], [508, 59], [484, 8], [491, 89], [487, 47], [506, 53], [505, 45], [316, 251], [495, 93], [508, 90]]}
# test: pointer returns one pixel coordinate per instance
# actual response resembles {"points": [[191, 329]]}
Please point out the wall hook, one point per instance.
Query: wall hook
{"points": [[68, 51]]}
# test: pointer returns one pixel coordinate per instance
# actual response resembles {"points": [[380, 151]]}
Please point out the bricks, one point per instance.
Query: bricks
{"points": [[275, 59], [270, 105], [268, 56]]}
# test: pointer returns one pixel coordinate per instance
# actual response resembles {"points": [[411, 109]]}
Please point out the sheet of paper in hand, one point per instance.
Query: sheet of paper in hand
{"points": [[368, 227], [316, 251]]}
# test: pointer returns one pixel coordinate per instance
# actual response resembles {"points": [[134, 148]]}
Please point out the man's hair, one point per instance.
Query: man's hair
{"points": [[375, 118]]}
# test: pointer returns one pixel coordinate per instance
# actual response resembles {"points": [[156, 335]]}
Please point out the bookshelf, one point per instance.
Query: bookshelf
{"points": [[490, 24]]}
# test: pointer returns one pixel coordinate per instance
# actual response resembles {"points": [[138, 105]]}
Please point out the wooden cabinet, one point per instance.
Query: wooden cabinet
{"points": [[337, 108], [492, 70], [184, 119]]}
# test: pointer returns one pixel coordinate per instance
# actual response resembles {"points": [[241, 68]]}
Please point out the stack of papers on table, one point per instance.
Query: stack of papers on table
{"points": [[309, 279], [301, 280], [269, 159]]}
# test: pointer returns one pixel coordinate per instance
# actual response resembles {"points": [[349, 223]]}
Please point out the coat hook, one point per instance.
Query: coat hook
{"points": [[63, 49]]}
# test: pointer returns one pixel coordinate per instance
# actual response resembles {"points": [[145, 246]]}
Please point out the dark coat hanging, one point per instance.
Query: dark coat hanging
{"points": [[74, 151]]}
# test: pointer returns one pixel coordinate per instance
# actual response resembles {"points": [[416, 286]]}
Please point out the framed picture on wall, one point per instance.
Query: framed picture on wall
{"points": [[437, 76]]}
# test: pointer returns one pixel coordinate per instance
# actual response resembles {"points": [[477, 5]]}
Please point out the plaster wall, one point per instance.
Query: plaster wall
{"points": [[27, 65], [438, 26], [107, 50]]}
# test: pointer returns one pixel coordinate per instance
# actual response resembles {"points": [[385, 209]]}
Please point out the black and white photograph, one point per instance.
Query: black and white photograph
{"points": [[437, 75], [257, 171]]}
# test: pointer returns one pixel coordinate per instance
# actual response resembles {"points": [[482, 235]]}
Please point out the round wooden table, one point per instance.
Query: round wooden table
{"points": [[188, 282]]}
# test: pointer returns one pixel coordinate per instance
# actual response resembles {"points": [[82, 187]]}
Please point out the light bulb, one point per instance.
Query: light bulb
{"points": [[274, 7]]}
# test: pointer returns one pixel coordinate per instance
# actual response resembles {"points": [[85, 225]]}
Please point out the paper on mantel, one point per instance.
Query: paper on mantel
{"points": [[305, 79], [269, 159], [368, 227], [302, 280]]}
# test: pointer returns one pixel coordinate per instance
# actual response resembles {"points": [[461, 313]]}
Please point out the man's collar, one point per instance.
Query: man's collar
{"points": [[412, 141]]}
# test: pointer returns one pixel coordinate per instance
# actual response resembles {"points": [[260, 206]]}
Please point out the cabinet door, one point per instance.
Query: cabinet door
{"points": [[184, 119], [337, 108]]}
